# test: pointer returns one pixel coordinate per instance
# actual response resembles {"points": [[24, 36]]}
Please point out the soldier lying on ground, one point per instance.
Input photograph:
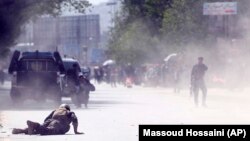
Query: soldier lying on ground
{"points": [[57, 123]]}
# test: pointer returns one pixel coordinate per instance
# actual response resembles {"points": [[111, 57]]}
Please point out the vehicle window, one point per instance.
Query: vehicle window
{"points": [[69, 65], [38, 65]]}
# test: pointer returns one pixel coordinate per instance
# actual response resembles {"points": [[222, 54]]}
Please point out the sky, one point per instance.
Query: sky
{"points": [[95, 2], [102, 10]]}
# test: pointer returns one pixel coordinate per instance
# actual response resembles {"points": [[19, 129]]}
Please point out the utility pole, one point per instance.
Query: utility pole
{"points": [[112, 11]]}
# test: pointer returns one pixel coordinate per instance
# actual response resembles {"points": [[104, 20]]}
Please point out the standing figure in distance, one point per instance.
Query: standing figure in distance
{"points": [[197, 81]]}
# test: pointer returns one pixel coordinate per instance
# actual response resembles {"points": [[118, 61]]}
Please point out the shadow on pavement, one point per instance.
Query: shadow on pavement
{"points": [[7, 105]]}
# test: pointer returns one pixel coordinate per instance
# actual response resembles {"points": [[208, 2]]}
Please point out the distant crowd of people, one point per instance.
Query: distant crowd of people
{"points": [[173, 73], [168, 74]]}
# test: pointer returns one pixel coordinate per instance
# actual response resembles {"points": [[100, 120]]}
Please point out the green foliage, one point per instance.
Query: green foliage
{"points": [[135, 36], [130, 45], [184, 22], [151, 28], [15, 13], [151, 12]]}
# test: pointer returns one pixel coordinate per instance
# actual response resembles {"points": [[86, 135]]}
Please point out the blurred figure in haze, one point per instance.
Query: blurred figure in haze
{"points": [[2, 76], [178, 70], [98, 74], [130, 75], [113, 76], [177, 80], [197, 81]]}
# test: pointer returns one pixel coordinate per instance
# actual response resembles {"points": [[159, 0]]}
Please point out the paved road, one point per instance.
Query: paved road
{"points": [[115, 113]]}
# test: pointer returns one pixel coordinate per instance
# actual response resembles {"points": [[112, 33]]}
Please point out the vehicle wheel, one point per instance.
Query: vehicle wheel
{"points": [[75, 98], [58, 98], [15, 96], [56, 95], [85, 98], [81, 98]]}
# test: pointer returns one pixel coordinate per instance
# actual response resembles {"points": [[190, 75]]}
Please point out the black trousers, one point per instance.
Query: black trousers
{"points": [[199, 85]]}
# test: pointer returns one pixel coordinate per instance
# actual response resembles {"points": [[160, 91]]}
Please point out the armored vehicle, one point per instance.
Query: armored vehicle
{"points": [[36, 75], [70, 81]]}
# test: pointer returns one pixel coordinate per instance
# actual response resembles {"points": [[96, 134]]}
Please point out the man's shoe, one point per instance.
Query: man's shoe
{"points": [[17, 131]]}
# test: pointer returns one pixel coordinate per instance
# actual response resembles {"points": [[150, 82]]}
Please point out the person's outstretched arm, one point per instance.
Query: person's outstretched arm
{"points": [[75, 123]]}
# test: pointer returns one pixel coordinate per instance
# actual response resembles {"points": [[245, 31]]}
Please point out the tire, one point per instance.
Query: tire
{"points": [[58, 98], [85, 97], [76, 100], [56, 95]]}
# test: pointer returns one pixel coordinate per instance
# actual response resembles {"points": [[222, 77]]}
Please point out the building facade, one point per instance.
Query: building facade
{"points": [[72, 36]]}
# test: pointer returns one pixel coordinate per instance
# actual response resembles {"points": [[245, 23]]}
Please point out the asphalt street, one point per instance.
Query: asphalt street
{"points": [[115, 113]]}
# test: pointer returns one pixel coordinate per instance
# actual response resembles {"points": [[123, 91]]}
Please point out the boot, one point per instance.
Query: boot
{"points": [[32, 127], [18, 131]]}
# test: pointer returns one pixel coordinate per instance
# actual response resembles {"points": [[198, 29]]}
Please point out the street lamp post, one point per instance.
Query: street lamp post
{"points": [[85, 55], [112, 5], [90, 42]]}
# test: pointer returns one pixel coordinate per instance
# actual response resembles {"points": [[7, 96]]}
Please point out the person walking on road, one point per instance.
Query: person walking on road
{"points": [[57, 123], [197, 81]]}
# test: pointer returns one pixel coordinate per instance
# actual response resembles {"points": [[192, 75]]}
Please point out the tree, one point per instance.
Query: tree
{"points": [[184, 22], [15, 13], [151, 12], [133, 45], [163, 25], [134, 38]]}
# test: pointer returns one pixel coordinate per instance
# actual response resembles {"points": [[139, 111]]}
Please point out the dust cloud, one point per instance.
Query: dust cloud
{"points": [[226, 56]]}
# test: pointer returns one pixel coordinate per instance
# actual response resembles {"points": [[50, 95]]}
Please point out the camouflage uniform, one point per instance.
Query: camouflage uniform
{"points": [[57, 122]]}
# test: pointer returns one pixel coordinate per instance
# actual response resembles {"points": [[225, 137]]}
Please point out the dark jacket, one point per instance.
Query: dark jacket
{"points": [[198, 72]]}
